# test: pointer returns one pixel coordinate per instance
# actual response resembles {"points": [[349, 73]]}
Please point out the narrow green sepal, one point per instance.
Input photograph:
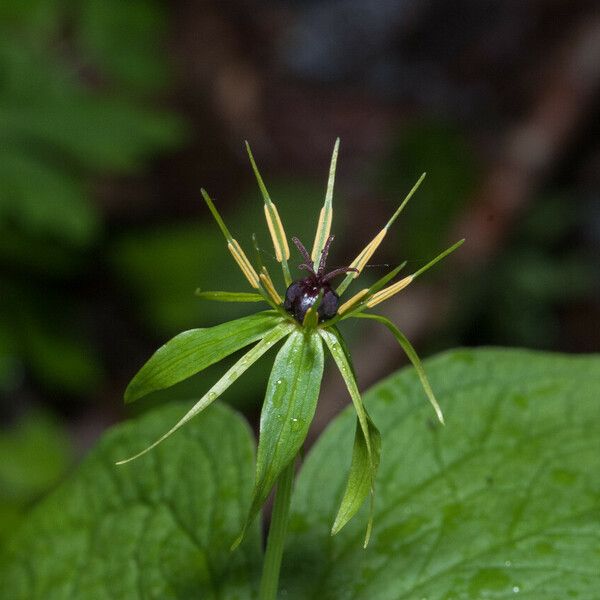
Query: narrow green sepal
{"points": [[438, 258], [216, 215], [229, 296], [359, 484], [405, 201], [412, 355], [381, 283]]}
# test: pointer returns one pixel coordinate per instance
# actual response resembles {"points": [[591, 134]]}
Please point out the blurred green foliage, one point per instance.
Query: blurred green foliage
{"points": [[75, 79], [440, 149], [34, 455], [518, 297]]}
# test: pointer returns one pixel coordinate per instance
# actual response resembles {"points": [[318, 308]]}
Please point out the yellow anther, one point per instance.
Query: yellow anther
{"points": [[388, 292], [282, 250], [323, 230], [269, 287], [352, 302], [244, 264], [363, 258]]}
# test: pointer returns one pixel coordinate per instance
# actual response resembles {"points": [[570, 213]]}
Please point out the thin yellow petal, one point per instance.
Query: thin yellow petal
{"points": [[242, 260]]}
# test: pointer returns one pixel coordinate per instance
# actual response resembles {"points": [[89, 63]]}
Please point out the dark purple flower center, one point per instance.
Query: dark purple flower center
{"points": [[303, 293]]}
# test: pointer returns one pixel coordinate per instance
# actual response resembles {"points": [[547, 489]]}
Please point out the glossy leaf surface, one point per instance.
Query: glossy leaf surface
{"points": [[502, 502], [367, 443], [159, 528], [288, 410]]}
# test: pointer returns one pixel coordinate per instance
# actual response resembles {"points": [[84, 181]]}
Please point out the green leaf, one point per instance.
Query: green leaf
{"points": [[367, 443], [232, 374], [288, 410], [413, 357], [159, 528], [25, 472], [192, 351], [503, 502], [42, 200], [229, 296]]}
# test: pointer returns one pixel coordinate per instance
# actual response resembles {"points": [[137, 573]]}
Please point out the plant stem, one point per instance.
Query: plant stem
{"points": [[277, 530]]}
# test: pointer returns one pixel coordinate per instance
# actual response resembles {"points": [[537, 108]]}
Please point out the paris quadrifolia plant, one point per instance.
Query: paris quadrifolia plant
{"points": [[307, 316]]}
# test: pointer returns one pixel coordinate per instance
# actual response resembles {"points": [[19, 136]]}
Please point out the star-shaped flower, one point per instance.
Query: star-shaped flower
{"points": [[306, 315]]}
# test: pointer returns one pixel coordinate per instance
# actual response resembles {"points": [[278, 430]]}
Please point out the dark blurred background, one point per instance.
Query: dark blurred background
{"points": [[113, 114]]}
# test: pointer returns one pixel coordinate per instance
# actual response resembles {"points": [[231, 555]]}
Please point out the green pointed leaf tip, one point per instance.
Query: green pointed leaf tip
{"points": [[360, 479], [439, 257], [156, 529], [192, 351], [261, 184], [229, 296], [215, 213], [288, 410], [412, 355], [405, 201]]}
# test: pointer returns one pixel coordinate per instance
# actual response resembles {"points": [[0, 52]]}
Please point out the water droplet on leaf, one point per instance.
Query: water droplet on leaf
{"points": [[279, 392]]}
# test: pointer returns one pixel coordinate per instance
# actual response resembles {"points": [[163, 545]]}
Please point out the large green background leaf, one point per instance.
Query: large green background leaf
{"points": [[503, 502], [157, 528]]}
